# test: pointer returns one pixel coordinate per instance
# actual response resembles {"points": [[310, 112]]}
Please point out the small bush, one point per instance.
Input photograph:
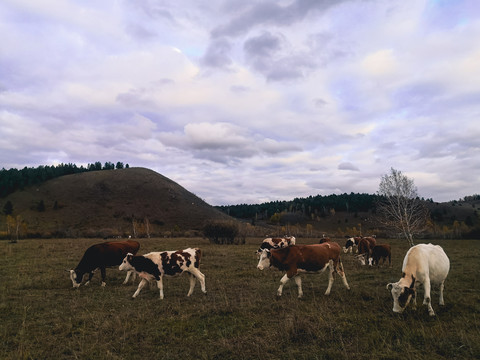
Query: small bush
{"points": [[221, 232]]}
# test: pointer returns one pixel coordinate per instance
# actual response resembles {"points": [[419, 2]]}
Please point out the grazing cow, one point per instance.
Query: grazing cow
{"points": [[156, 265], [276, 243], [381, 251], [423, 264], [351, 243], [101, 256], [364, 251], [296, 259]]}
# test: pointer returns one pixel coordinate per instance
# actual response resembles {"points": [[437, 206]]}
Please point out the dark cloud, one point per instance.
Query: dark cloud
{"points": [[262, 45], [217, 54], [270, 13], [347, 166]]}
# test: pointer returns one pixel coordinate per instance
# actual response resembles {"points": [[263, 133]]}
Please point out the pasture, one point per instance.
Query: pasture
{"points": [[43, 317]]}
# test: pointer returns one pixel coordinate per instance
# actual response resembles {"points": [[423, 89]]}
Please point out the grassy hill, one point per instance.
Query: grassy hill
{"points": [[109, 203]]}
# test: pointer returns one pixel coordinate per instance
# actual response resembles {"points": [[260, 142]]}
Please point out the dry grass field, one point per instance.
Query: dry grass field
{"points": [[43, 317]]}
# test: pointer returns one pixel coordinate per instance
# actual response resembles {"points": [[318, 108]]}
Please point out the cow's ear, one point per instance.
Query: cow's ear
{"points": [[389, 286]]}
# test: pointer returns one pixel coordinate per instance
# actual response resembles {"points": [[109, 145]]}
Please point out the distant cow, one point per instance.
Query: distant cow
{"points": [[364, 250], [381, 251], [423, 264], [100, 256], [156, 265], [324, 239], [296, 259], [351, 243], [276, 243]]}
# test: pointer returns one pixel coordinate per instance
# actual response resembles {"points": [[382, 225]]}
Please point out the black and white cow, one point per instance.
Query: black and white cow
{"points": [[156, 265], [276, 243], [423, 264]]}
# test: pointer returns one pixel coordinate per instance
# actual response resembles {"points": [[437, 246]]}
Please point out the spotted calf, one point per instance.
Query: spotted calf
{"points": [[156, 265]]}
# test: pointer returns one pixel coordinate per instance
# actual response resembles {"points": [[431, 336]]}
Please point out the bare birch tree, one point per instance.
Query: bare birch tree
{"points": [[399, 206]]}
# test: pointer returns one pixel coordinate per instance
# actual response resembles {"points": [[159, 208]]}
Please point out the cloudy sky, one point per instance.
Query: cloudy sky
{"points": [[245, 101]]}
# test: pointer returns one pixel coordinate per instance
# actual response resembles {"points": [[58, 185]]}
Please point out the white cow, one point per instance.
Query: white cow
{"points": [[423, 264]]}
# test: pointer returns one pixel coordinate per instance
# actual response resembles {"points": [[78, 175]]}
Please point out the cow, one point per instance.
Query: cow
{"points": [[100, 256], [364, 250], [423, 264], [352, 242], [324, 239], [156, 265], [381, 251], [276, 243], [296, 259]]}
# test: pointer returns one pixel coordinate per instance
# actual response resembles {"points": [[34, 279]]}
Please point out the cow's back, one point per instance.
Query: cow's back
{"points": [[427, 260], [108, 253], [312, 257]]}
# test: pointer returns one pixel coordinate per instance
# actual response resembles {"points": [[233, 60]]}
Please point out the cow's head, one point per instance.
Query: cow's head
{"points": [[361, 259], [264, 261], [401, 294], [76, 279], [125, 265]]}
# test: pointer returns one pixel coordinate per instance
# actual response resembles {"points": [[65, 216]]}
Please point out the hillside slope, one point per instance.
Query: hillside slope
{"points": [[107, 202]]}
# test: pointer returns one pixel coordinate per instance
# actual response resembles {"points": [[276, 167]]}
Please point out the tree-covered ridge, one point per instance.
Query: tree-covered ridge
{"points": [[318, 205], [13, 179]]}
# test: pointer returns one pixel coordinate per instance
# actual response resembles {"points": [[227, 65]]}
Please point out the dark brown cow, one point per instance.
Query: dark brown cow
{"points": [[296, 259], [276, 243], [156, 265], [381, 251], [100, 256]]}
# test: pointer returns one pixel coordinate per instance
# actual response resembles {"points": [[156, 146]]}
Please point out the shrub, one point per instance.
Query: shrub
{"points": [[221, 232]]}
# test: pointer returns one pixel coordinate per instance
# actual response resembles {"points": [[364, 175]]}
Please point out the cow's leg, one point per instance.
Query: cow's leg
{"points": [[298, 281], [331, 270], [283, 281], [191, 277], [341, 272], [129, 273], [90, 275], [442, 285], [427, 300], [160, 287], [200, 277], [104, 273], [140, 287]]}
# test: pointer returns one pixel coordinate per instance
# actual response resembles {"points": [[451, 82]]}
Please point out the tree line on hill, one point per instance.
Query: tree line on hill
{"points": [[13, 179], [312, 206]]}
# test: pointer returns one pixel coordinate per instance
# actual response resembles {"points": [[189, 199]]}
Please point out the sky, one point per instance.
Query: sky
{"points": [[245, 102]]}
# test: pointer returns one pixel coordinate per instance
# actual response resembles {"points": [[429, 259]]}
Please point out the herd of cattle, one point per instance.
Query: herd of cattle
{"points": [[424, 264]]}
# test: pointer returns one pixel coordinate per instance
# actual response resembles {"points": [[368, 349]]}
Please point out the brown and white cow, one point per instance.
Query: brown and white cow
{"points": [[100, 256], [352, 243], [364, 251], [276, 243], [298, 259], [156, 265], [423, 264]]}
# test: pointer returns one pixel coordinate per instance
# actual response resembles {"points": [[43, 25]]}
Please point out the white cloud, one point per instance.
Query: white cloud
{"points": [[247, 102]]}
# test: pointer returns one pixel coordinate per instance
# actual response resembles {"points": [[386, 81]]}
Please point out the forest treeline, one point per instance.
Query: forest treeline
{"points": [[13, 179], [319, 205]]}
